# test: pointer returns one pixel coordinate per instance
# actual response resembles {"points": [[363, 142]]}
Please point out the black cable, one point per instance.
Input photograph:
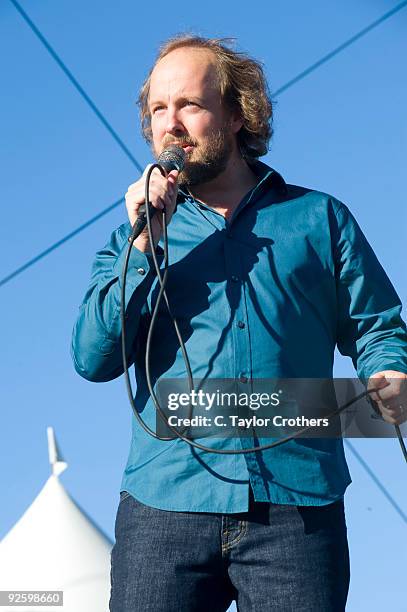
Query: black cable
{"points": [[403, 446], [93, 106], [155, 312], [162, 293]]}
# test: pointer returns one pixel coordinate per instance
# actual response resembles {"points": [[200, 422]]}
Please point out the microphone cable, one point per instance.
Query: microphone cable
{"points": [[162, 280]]}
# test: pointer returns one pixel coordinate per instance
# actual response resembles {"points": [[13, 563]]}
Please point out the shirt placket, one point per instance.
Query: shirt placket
{"points": [[239, 327], [240, 320], [243, 352]]}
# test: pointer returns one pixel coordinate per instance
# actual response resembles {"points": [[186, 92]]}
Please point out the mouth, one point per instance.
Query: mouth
{"points": [[186, 147]]}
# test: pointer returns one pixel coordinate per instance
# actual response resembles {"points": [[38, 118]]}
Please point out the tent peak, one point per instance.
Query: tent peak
{"points": [[58, 465]]}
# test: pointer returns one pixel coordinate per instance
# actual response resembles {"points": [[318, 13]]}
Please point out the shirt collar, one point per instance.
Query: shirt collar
{"points": [[266, 175]]}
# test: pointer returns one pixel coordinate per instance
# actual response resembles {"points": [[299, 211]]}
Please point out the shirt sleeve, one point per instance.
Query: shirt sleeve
{"points": [[96, 338], [369, 326]]}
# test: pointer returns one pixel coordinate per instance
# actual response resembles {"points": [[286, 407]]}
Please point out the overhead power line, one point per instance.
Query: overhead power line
{"points": [[59, 243], [377, 481], [77, 86], [340, 48], [117, 138]]}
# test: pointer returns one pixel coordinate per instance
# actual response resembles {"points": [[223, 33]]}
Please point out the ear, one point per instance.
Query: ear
{"points": [[233, 120], [236, 122]]}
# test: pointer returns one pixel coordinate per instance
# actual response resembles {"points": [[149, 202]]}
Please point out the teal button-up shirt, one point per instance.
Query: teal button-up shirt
{"points": [[267, 294]]}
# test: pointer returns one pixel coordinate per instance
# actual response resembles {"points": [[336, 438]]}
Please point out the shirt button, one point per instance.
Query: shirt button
{"points": [[243, 378], [235, 279], [241, 324], [141, 271]]}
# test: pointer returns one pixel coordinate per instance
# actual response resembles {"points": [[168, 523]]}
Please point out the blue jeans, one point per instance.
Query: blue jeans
{"points": [[272, 558]]}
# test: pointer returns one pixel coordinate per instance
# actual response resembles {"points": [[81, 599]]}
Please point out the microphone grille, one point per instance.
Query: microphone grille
{"points": [[172, 158]]}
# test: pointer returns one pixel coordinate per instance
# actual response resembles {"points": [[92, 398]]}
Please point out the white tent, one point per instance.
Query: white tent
{"points": [[56, 546]]}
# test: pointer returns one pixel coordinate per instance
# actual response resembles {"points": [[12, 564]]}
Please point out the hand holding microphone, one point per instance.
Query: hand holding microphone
{"points": [[163, 193]]}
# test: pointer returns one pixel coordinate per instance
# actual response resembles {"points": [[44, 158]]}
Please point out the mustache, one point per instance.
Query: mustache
{"points": [[182, 141]]}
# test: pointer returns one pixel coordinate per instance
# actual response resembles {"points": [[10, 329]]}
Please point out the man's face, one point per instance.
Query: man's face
{"points": [[186, 109]]}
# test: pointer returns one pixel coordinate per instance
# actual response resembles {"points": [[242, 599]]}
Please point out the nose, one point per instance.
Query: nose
{"points": [[174, 125]]}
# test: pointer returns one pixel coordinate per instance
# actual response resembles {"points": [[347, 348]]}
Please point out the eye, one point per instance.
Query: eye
{"points": [[157, 108]]}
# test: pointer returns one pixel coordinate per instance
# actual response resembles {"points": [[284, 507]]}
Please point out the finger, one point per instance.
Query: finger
{"points": [[377, 381], [391, 414], [390, 396], [394, 416], [390, 420], [373, 385], [172, 176], [157, 193], [134, 197], [168, 201], [398, 414], [399, 419], [377, 397], [159, 204]]}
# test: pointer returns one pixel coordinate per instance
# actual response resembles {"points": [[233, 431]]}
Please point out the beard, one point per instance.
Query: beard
{"points": [[208, 158]]}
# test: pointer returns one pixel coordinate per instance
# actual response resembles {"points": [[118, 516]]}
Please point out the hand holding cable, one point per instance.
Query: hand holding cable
{"points": [[389, 393], [162, 194]]}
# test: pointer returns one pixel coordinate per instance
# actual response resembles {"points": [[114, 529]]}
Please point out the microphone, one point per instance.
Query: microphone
{"points": [[171, 158]]}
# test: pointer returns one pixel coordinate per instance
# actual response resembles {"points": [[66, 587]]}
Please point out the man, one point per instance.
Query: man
{"points": [[265, 279]]}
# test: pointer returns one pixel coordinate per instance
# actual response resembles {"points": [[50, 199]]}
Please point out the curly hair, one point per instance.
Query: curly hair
{"points": [[243, 88]]}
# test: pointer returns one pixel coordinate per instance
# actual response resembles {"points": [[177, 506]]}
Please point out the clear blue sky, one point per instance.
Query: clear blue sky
{"points": [[342, 129]]}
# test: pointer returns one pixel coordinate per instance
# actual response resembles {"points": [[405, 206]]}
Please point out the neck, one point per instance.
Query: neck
{"points": [[225, 192]]}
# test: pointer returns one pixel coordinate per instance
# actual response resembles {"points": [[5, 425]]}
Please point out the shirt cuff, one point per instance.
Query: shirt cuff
{"points": [[397, 366], [140, 264]]}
